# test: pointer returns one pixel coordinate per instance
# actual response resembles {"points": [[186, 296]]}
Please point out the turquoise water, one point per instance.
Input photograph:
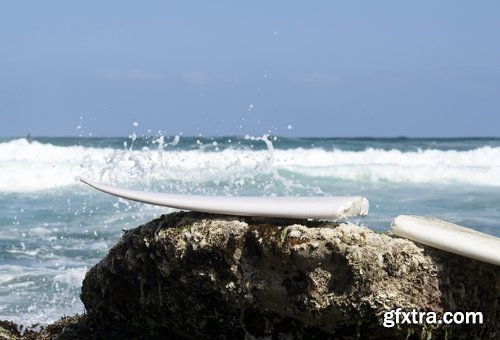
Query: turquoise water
{"points": [[53, 228]]}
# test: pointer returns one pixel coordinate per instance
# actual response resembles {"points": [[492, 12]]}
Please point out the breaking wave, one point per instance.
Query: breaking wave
{"points": [[31, 166]]}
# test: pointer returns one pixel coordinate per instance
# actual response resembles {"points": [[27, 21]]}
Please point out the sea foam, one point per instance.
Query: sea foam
{"points": [[33, 166]]}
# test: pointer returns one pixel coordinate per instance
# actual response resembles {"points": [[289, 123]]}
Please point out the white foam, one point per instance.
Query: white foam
{"points": [[72, 277], [10, 272], [35, 166], [40, 294], [480, 166], [23, 252], [27, 167]]}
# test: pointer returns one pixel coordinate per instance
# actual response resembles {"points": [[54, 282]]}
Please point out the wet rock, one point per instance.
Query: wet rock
{"points": [[8, 330], [196, 275]]}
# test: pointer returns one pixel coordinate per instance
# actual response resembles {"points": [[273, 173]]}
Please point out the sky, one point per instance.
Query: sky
{"points": [[292, 68]]}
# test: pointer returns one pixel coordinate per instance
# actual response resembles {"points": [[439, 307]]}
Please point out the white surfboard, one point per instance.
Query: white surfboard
{"points": [[449, 237], [286, 207]]}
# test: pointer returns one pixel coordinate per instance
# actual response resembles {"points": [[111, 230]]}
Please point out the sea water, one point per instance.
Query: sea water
{"points": [[54, 228]]}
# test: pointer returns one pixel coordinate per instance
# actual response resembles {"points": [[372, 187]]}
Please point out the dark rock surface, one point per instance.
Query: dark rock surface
{"points": [[196, 275], [201, 276], [8, 330]]}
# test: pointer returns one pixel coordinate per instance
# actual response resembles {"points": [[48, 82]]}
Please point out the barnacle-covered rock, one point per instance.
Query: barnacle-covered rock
{"points": [[208, 276]]}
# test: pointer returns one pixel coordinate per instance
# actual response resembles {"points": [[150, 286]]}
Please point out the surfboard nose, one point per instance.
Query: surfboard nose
{"points": [[449, 237]]}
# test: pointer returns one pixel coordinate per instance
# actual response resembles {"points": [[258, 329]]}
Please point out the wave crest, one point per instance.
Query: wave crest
{"points": [[31, 166]]}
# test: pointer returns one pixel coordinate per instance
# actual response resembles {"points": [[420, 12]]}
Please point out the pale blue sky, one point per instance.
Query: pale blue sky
{"points": [[328, 68]]}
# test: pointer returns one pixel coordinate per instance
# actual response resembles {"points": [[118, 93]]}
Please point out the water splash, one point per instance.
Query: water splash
{"points": [[196, 166]]}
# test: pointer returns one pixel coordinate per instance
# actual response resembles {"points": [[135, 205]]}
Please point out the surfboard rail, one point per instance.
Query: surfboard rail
{"points": [[449, 237], [305, 207]]}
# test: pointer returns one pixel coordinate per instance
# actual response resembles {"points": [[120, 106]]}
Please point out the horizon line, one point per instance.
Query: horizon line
{"points": [[243, 136]]}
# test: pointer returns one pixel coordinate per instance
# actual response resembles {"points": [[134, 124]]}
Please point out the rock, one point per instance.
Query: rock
{"points": [[68, 327], [196, 275], [8, 330]]}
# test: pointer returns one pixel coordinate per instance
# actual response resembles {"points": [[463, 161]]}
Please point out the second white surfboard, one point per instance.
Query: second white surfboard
{"points": [[449, 237]]}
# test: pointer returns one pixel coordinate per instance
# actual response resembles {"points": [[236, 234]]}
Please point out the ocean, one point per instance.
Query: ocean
{"points": [[54, 228]]}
